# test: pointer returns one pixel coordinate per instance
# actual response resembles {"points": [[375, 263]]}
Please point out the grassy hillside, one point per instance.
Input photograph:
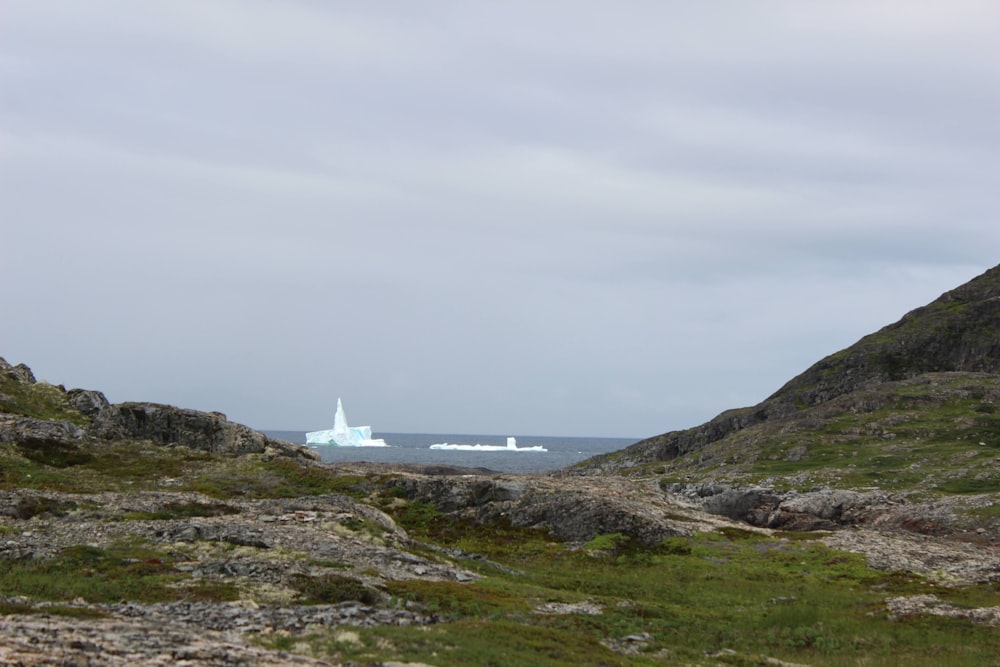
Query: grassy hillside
{"points": [[958, 332], [935, 433]]}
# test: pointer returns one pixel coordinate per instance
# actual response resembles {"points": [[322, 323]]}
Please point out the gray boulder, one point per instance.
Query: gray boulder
{"points": [[821, 509], [88, 401], [15, 428]]}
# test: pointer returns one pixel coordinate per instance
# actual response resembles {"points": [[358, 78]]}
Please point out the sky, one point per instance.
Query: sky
{"points": [[585, 218]]}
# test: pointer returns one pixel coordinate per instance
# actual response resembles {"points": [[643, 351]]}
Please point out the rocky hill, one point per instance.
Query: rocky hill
{"points": [[45, 417], [958, 332]]}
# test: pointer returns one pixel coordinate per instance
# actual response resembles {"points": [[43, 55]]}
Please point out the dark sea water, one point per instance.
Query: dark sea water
{"points": [[415, 448]]}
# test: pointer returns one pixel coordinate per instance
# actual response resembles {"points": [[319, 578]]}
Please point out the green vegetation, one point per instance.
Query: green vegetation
{"points": [[333, 588], [89, 467], [797, 601], [123, 572], [511, 543], [965, 485], [54, 453], [68, 611], [735, 594], [613, 543], [174, 511], [281, 478], [28, 507], [496, 642], [937, 433], [40, 400]]}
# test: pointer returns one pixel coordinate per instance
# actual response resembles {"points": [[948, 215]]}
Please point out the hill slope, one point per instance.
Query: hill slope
{"points": [[958, 332]]}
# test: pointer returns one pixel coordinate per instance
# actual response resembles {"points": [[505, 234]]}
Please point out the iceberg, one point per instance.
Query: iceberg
{"points": [[511, 447], [342, 435]]}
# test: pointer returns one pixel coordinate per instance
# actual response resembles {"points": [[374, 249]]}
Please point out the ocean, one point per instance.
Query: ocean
{"points": [[415, 448]]}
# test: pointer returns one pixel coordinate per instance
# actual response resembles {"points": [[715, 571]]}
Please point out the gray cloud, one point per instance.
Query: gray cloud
{"points": [[528, 218]]}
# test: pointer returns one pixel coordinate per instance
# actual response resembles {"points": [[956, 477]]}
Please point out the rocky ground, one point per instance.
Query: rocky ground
{"points": [[262, 545], [261, 549]]}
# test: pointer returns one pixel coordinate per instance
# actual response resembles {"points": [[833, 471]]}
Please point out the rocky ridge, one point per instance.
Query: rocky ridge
{"points": [[96, 418], [955, 333]]}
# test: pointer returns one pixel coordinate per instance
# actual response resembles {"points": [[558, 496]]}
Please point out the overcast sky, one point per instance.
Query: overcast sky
{"points": [[515, 218]]}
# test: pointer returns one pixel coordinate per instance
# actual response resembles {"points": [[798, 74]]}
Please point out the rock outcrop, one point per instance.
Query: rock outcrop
{"points": [[162, 424], [568, 510], [825, 509], [89, 402], [168, 425], [28, 430]]}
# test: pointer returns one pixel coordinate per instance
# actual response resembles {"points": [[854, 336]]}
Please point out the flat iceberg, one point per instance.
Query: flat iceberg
{"points": [[342, 435], [511, 447]]}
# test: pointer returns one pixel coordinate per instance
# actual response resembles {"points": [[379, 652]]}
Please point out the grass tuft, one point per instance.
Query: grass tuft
{"points": [[333, 588]]}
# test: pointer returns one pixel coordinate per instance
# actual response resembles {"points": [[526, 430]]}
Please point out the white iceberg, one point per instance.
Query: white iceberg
{"points": [[342, 435], [511, 447]]}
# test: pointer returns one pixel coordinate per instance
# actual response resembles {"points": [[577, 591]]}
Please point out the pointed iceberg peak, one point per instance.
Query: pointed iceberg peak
{"points": [[340, 426], [342, 435]]}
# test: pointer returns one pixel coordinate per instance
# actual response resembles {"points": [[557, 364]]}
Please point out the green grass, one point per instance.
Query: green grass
{"points": [[279, 478], [793, 600], [19, 472], [40, 400], [92, 466], [123, 572], [940, 435], [973, 485], [54, 453], [505, 542], [176, 511], [984, 513], [456, 600], [333, 588], [65, 611], [740, 591], [479, 643]]}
